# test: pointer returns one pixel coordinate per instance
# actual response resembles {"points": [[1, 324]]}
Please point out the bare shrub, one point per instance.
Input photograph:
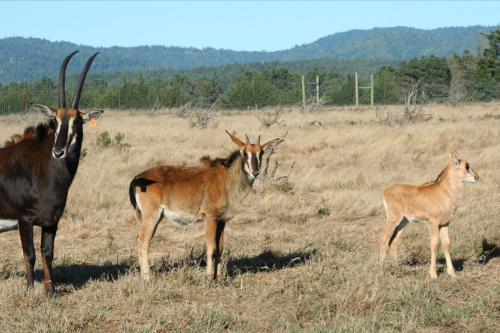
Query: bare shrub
{"points": [[457, 95], [315, 105], [413, 110], [267, 119], [269, 176], [153, 109], [202, 118], [312, 105], [182, 111]]}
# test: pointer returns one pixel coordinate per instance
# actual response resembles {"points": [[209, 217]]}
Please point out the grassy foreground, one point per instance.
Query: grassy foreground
{"points": [[300, 256]]}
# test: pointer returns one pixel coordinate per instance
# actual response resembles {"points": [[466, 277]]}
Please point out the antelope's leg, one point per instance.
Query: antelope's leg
{"points": [[47, 248], [26, 233], [211, 236], [219, 243], [150, 218], [393, 242], [445, 241], [387, 236], [434, 241]]}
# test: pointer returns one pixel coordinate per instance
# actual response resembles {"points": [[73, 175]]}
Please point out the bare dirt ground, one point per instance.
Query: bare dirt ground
{"points": [[300, 256]]}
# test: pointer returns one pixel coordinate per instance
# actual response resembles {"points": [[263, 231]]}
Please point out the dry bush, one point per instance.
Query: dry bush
{"points": [[413, 111], [313, 104], [268, 119], [200, 117], [288, 268], [155, 107]]}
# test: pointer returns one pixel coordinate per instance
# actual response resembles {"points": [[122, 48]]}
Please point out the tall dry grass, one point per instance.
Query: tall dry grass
{"points": [[301, 257]]}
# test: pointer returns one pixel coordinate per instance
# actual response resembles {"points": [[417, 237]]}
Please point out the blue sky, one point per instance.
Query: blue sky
{"points": [[235, 25]]}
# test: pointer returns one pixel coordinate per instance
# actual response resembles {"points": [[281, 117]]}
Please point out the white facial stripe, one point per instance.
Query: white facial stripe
{"points": [[8, 225], [72, 144], [59, 122], [71, 126], [248, 163]]}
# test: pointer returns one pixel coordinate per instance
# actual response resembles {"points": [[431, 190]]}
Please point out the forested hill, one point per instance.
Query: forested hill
{"points": [[31, 58]]}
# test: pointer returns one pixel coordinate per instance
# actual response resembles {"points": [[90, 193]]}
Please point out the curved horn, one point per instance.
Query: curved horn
{"points": [[62, 79], [79, 87], [248, 140], [258, 140]]}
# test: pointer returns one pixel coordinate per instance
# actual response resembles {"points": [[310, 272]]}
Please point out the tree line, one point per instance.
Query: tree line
{"points": [[457, 78]]}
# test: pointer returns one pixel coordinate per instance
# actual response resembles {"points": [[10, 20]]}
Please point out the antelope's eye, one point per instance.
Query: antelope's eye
{"points": [[467, 167]]}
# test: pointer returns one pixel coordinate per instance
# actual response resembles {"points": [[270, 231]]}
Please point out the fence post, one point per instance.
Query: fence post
{"points": [[166, 97], [371, 77], [356, 88], [385, 90], [129, 96], [303, 92], [317, 90]]}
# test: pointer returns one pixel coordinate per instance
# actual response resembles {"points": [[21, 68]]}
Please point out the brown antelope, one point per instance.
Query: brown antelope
{"points": [[433, 203], [36, 171], [211, 192]]}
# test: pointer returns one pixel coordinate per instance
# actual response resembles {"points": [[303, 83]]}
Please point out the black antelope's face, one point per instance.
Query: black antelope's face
{"points": [[69, 127], [252, 160], [251, 155]]}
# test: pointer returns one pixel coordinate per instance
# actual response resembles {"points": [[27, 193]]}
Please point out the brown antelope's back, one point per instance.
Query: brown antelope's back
{"points": [[192, 191]]}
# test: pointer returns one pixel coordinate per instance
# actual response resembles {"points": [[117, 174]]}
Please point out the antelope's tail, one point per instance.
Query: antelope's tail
{"points": [[133, 200]]}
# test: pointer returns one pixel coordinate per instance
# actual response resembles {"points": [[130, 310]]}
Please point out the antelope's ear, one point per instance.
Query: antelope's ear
{"points": [[237, 141], [45, 110], [91, 114], [456, 159], [269, 145]]}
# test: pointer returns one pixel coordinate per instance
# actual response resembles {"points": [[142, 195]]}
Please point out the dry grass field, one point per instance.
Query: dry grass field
{"points": [[300, 256]]}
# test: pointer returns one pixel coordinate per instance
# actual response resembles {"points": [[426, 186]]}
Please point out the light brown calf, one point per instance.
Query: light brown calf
{"points": [[433, 203], [211, 192]]}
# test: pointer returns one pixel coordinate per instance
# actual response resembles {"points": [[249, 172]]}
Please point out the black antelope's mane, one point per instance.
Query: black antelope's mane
{"points": [[225, 162], [31, 132]]}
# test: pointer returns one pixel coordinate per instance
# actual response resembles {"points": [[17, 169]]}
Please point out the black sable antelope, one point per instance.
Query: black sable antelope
{"points": [[36, 171]]}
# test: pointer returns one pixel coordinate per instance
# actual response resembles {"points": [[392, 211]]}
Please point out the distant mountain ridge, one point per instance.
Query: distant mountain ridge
{"points": [[32, 58]]}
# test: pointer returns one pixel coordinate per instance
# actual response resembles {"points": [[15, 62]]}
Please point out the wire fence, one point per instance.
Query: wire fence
{"points": [[247, 91]]}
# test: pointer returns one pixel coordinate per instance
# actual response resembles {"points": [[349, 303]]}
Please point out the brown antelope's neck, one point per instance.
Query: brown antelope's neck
{"points": [[449, 183]]}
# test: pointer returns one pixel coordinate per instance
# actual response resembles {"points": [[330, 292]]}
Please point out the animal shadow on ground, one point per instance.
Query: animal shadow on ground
{"points": [[74, 276], [487, 252], [267, 261], [69, 278], [458, 264], [194, 257]]}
